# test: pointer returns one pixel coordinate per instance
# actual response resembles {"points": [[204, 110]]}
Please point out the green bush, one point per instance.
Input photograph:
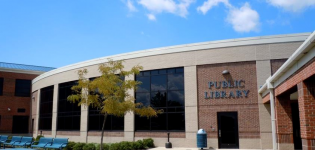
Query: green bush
{"points": [[70, 146], [126, 145], [105, 147], [90, 146], [78, 146], [138, 145], [114, 146], [148, 143]]}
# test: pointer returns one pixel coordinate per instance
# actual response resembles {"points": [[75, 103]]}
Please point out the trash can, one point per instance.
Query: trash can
{"points": [[201, 139]]}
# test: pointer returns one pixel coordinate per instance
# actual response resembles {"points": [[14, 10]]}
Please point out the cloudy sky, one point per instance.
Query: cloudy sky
{"points": [[56, 33]]}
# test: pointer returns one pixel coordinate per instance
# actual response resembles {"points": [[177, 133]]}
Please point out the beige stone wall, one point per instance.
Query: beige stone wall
{"points": [[261, 54]]}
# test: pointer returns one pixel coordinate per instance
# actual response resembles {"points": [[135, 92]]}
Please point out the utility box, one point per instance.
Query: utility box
{"points": [[201, 139]]}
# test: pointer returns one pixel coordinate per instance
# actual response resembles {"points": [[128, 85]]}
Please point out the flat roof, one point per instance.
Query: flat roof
{"points": [[22, 68]]}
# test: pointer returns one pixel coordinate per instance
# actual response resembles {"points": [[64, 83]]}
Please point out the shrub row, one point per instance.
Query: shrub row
{"points": [[140, 144]]}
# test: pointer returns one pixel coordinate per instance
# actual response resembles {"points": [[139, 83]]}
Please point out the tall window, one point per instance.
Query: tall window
{"points": [[162, 89], [68, 113], [1, 86], [22, 88], [96, 119], [45, 108]]}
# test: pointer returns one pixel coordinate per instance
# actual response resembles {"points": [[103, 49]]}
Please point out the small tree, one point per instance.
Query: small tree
{"points": [[109, 92]]}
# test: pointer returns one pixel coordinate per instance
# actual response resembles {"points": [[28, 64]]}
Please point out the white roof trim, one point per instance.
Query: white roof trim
{"points": [[298, 59], [182, 48]]}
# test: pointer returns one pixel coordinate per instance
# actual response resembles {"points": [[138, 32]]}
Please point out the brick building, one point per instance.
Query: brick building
{"points": [[210, 85], [292, 91], [15, 96]]}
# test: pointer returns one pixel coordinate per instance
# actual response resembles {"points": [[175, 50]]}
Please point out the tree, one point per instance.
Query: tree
{"points": [[109, 92]]}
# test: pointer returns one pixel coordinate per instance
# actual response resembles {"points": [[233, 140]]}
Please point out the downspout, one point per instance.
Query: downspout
{"points": [[272, 110]]}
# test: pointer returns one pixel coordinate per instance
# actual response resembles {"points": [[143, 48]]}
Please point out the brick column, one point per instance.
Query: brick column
{"points": [[284, 122], [306, 91]]}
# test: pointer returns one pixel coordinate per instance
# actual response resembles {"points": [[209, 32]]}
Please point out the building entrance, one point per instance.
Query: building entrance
{"points": [[228, 130], [296, 126]]}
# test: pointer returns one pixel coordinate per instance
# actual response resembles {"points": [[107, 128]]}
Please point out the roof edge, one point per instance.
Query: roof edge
{"points": [[182, 48]]}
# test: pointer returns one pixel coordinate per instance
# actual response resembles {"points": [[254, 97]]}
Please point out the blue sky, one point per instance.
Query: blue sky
{"points": [[56, 33]]}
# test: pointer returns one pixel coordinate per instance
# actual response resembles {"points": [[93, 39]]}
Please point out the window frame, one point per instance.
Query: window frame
{"points": [[167, 91], [19, 87]]}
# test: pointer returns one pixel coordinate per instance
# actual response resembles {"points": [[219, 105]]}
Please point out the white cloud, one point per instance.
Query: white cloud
{"points": [[167, 6], [130, 6], [292, 5], [207, 5], [244, 19], [151, 17]]}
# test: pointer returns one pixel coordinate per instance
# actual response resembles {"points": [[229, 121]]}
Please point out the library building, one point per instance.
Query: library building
{"points": [[247, 93]]}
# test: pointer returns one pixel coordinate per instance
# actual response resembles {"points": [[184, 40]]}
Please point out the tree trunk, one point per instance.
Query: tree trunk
{"points": [[101, 146]]}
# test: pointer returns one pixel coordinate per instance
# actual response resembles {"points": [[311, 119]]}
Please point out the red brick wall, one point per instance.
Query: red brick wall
{"points": [[303, 73], [8, 100], [247, 107], [284, 119], [106, 134], [160, 134]]}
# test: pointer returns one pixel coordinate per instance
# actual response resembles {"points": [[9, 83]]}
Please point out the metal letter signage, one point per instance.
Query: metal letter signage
{"points": [[216, 93]]}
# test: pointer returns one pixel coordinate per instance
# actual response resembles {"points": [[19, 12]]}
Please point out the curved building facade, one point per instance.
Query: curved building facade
{"points": [[211, 85]]}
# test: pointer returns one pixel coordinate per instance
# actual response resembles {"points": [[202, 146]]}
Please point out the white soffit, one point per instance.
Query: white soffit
{"points": [[182, 48]]}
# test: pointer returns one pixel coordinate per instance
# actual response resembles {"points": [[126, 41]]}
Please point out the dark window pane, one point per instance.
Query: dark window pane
{"points": [[45, 108], [159, 122], [146, 73], [68, 113], [162, 71], [158, 83], [176, 82], [158, 99], [96, 121], [143, 98], [175, 98], [1, 86], [176, 121], [145, 84], [21, 110], [117, 123], [142, 123], [166, 92], [176, 109], [170, 71], [22, 88], [179, 70]]}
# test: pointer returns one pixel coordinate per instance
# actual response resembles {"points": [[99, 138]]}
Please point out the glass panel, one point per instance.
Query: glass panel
{"points": [[175, 98], [158, 83], [158, 99], [176, 82], [158, 123], [176, 121], [117, 123], [143, 98], [179, 70], [145, 84], [142, 123]]}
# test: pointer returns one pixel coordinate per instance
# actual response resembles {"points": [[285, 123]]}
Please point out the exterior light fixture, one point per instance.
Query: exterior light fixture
{"points": [[224, 72], [9, 109]]}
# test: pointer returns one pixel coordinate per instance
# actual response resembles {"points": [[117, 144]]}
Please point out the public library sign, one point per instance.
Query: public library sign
{"points": [[218, 89]]}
